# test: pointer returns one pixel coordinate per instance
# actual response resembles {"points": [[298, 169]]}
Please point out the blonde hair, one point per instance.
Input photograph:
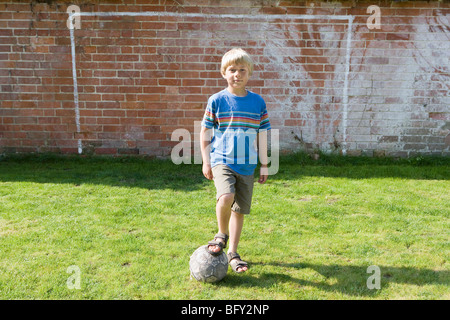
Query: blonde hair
{"points": [[236, 56]]}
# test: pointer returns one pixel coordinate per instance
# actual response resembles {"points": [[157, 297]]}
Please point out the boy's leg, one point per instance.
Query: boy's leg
{"points": [[241, 207], [235, 227], [223, 213], [231, 207], [230, 222], [236, 224]]}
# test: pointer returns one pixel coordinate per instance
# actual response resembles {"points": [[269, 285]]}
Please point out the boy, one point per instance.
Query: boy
{"points": [[238, 118]]}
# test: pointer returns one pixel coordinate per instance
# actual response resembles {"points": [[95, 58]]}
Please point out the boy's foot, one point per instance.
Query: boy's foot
{"points": [[216, 246], [238, 266]]}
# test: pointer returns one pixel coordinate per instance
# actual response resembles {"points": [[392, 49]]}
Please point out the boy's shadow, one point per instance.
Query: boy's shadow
{"points": [[349, 280]]}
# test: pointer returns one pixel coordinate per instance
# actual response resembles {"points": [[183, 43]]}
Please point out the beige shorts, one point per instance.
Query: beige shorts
{"points": [[228, 181]]}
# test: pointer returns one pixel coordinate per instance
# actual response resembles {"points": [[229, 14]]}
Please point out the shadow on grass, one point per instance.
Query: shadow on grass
{"points": [[295, 166], [348, 280], [163, 174], [121, 172]]}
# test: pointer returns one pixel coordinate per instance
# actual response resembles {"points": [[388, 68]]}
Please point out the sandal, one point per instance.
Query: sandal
{"points": [[221, 244], [234, 259]]}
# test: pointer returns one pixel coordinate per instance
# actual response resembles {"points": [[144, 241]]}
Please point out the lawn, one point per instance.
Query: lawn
{"points": [[128, 227]]}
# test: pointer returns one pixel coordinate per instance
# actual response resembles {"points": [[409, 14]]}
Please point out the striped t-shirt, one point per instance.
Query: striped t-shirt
{"points": [[235, 122]]}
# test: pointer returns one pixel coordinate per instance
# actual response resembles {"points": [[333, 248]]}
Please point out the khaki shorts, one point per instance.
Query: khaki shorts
{"points": [[228, 181]]}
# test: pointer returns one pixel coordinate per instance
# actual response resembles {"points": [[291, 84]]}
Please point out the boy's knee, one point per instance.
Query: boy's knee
{"points": [[226, 199]]}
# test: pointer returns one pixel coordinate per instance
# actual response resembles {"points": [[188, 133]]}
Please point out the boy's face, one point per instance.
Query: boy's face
{"points": [[237, 77]]}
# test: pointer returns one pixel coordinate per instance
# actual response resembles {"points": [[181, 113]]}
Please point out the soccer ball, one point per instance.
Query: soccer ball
{"points": [[208, 268]]}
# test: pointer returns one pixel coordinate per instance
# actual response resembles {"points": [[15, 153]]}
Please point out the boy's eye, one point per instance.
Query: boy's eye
{"points": [[235, 70]]}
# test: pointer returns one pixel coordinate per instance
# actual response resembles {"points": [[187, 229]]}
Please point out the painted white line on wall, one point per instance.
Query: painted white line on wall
{"points": [[348, 18], [75, 89], [214, 16], [345, 93]]}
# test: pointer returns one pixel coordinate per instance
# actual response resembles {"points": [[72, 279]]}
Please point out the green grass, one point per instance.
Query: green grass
{"points": [[130, 226]]}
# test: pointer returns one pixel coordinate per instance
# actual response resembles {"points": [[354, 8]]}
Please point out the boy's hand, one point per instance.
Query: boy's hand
{"points": [[263, 174], [207, 172]]}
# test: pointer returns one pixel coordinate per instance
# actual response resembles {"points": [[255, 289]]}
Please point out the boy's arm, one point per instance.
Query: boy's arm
{"points": [[205, 141], [262, 151]]}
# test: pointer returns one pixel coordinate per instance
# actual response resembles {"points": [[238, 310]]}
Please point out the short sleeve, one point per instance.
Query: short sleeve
{"points": [[265, 123], [209, 118]]}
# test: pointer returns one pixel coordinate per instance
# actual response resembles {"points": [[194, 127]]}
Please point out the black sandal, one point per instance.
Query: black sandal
{"points": [[234, 259], [221, 244]]}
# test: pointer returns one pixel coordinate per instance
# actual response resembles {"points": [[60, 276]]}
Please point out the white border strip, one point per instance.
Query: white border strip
{"points": [[348, 18]]}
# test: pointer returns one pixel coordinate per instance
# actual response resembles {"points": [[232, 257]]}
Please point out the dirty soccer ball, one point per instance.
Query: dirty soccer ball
{"points": [[208, 268]]}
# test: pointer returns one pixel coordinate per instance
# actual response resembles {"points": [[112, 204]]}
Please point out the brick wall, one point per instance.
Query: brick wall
{"points": [[145, 68]]}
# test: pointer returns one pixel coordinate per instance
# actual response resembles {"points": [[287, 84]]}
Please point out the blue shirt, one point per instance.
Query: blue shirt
{"points": [[235, 121]]}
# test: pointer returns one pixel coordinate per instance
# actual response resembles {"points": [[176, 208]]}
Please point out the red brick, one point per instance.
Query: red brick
{"points": [[155, 74]]}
